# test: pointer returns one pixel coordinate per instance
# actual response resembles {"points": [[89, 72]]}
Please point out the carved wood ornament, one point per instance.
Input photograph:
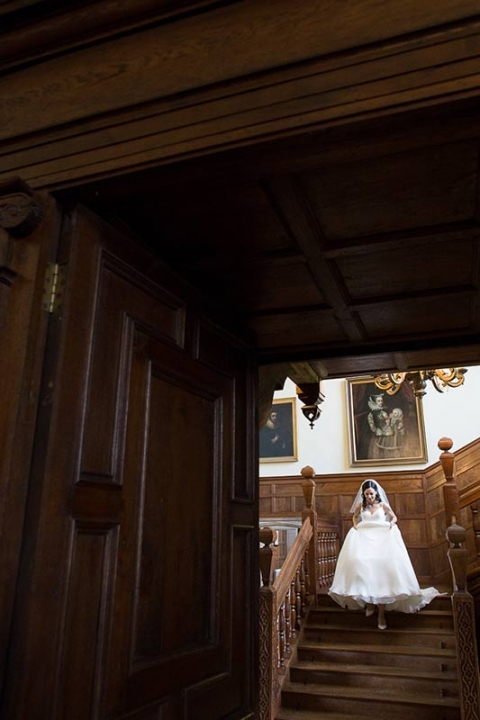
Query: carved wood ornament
{"points": [[307, 377], [20, 213]]}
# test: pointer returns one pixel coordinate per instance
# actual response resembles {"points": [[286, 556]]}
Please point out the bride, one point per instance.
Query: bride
{"points": [[373, 567]]}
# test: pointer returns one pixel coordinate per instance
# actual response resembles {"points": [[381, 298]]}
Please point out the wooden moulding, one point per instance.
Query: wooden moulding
{"points": [[223, 78], [20, 212]]}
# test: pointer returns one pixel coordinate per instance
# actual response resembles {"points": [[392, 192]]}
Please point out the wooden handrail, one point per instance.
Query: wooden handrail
{"points": [[308, 567], [283, 604], [292, 563]]}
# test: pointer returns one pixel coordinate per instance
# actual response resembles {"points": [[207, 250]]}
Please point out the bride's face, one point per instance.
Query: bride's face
{"points": [[370, 495]]}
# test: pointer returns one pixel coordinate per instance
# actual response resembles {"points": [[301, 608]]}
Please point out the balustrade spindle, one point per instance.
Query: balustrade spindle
{"points": [[307, 576], [287, 613], [298, 598], [303, 587], [281, 636], [293, 610], [476, 525]]}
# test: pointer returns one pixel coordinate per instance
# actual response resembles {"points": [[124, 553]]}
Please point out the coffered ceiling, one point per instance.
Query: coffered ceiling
{"points": [[356, 246]]}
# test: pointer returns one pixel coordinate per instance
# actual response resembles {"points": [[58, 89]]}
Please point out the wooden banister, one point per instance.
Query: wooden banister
{"points": [[464, 624], [293, 561], [284, 602], [463, 605]]}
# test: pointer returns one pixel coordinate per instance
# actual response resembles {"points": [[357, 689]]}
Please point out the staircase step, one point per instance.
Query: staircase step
{"points": [[428, 659], [440, 602], [320, 616], [347, 669], [380, 704], [291, 714], [426, 637], [405, 680]]}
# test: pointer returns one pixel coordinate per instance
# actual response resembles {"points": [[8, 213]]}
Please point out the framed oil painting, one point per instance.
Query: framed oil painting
{"points": [[384, 429], [278, 437]]}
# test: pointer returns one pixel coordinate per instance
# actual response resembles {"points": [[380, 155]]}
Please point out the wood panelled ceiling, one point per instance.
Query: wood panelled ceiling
{"points": [[358, 247], [312, 165]]}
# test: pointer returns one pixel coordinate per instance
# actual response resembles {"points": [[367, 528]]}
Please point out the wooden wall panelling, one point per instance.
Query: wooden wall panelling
{"points": [[142, 513], [222, 351], [215, 697], [417, 498], [89, 597], [420, 513], [467, 464]]}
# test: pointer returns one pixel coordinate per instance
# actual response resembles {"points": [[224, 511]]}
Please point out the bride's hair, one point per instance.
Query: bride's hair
{"points": [[365, 486]]}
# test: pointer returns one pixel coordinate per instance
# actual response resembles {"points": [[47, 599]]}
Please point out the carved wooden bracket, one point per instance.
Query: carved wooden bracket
{"points": [[311, 396], [20, 213], [306, 375]]}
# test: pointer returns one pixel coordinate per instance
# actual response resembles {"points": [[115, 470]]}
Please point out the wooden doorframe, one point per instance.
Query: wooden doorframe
{"points": [[26, 252]]}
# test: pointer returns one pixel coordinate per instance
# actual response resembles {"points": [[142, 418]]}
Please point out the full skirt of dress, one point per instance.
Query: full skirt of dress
{"points": [[374, 567]]}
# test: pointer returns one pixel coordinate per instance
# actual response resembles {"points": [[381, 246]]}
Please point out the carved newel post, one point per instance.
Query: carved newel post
{"points": [[450, 490], [308, 488], [269, 684], [267, 538], [464, 623]]}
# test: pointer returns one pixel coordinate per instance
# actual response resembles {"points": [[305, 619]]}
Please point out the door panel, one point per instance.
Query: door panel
{"points": [[139, 579]]}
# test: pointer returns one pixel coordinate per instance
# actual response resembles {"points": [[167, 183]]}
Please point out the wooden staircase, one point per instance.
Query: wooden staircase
{"points": [[345, 668]]}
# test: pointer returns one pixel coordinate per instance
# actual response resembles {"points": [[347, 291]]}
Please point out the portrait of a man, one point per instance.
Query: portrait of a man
{"points": [[278, 435]]}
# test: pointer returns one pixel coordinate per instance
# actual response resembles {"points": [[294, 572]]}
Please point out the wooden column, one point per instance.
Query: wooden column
{"points": [[450, 490], [308, 488]]}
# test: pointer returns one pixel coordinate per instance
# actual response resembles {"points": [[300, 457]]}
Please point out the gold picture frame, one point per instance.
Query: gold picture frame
{"points": [[384, 429], [278, 437]]}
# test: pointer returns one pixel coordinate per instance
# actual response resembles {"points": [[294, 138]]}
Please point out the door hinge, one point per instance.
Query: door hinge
{"points": [[53, 288]]}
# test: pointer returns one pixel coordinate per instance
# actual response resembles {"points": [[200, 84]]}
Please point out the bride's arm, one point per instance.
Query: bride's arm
{"points": [[356, 515], [390, 513]]}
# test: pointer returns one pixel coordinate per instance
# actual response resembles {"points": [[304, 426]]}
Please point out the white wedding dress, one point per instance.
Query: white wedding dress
{"points": [[373, 566]]}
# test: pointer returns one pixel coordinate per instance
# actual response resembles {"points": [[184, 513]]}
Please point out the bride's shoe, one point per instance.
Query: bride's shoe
{"points": [[382, 626], [370, 609]]}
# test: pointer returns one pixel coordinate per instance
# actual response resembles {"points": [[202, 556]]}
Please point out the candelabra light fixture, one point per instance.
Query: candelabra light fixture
{"points": [[441, 379]]}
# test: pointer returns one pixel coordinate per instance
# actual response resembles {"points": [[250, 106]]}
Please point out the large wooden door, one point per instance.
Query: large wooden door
{"points": [[138, 583]]}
